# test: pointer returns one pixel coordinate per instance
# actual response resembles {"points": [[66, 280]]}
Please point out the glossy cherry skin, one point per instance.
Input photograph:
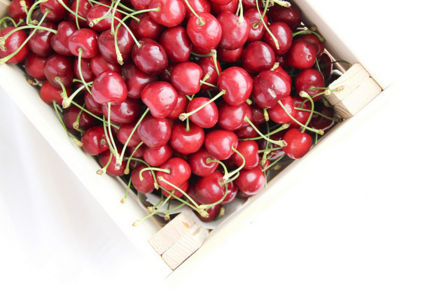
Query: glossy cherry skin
{"points": [[109, 87], [92, 105], [94, 141], [249, 150], [220, 143], [208, 189], [61, 67], [235, 31], [283, 34], [257, 115], [111, 169], [301, 55], [251, 181], [157, 156], [176, 43], [269, 87], [98, 65], [237, 83], [186, 78], [71, 115], [290, 15], [253, 18], [198, 6], [98, 11], [230, 56], [59, 41], [85, 40], [278, 115], [258, 56], [39, 43], [301, 116], [160, 97], [232, 117], [135, 79], [83, 9], [212, 213], [124, 132], [208, 67], [220, 2], [310, 78], [313, 40], [141, 4], [229, 7], [34, 66], [106, 45], [49, 93], [145, 183], [146, 28], [250, 4], [17, 11], [184, 187], [180, 172], [204, 36], [171, 13], [205, 118], [232, 191], [12, 43], [56, 10], [186, 142], [150, 58], [155, 132], [199, 165], [298, 143], [181, 104], [125, 112], [85, 70], [246, 132]]}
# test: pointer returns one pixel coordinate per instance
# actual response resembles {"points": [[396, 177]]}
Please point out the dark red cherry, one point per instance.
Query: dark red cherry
{"points": [[144, 183], [308, 79], [12, 44], [106, 45], [111, 168], [257, 115], [301, 116], [229, 7], [220, 143], [204, 33], [181, 104], [210, 189], [251, 181], [17, 11], [160, 97], [135, 79], [85, 41], [94, 141], [141, 4], [298, 143], [125, 112], [92, 105], [85, 69], [180, 172], [146, 28], [170, 14], [320, 122], [137, 153], [208, 67], [237, 83], [257, 29], [59, 42], [124, 132], [290, 15], [249, 150], [283, 34], [98, 65], [150, 58], [278, 115], [230, 56], [39, 43], [206, 117], [313, 40], [186, 141], [199, 165], [49, 93], [72, 114], [232, 191], [212, 213], [34, 66], [281, 71], [61, 67], [82, 8], [258, 56], [235, 30], [171, 191], [220, 2], [198, 6], [155, 132], [56, 11], [246, 132], [186, 78], [109, 87], [158, 155], [249, 4], [269, 87], [176, 43], [232, 117], [301, 55], [97, 21], [326, 65]]}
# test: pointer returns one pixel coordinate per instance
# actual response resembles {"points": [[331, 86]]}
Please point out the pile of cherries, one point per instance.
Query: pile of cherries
{"points": [[194, 99]]}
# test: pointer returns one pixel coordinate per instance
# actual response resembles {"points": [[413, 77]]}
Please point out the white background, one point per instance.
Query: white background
{"points": [[370, 225]]}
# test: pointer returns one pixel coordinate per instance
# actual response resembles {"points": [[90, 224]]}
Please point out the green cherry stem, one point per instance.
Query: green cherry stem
{"points": [[58, 114], [82, 108], [277, 46], [201, 21], [184, 116], [128, 186], [226, 189], [140, 174], [128, 163], [81, 76], [111, 136], [273, 163], [304, 126], [224, 167], [71, 11], [103, 170], [302, 32], [279, 129], [227, 176], [280, 143]]}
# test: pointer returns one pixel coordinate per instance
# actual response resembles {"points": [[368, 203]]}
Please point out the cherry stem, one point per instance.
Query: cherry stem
{"points": [[63, 92], [111, 136], [8, 18], [184, 116], [106, 134], [67, 101], [302, 32], [265, 10], [131, 158], [240, 12], [103, 170], [77, 14], [71, 11], [140, 174], [128, 186], [126, 170], [58, 113], [76, 122], [282, 3], [224, 167], [30, 11], [81, 76], [201, 21], [92, 114], [226, 189], [277, 46], [227, 176], [336, 119], [280, 143], [273, 163], [279, 129], [304, 126], [304, 94], [120, 11], [194, 206]]}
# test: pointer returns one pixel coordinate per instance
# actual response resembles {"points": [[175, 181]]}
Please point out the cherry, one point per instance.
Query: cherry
{"points": [[278, 115], [39, 43], [154, 132], [326, 65], [249, 4], [170, 13], [298, 143], [312, 82], [221, 143], [198, 6], [125, 112], [137, 152], [208, 67], [237, 84], [109, 87], [17, 11], [204, 32], [124, 132], [106, 45], [146, 28], [232, 191], [70, 118], [249, 150], [208, 189], [59, 70], [186, 78], [258, 56], [313, 40], [258, 117], [157, 156], [207, 116], [83, 9], [235, 30], [100, 19], [98, 65], [257, 29], [12, 44], [34, 66], [94, 141], [49, 93], [246, 132], [184, 187], [301, 55], [84, 43], [281, 71], [111, 169], [141, 4], [199, 165], [135, 79], [56, 11], [251, 181], [160, 97], [144, 183], [269, 87], [229, 7], [320, 122], [176, 44], [179, 173], [150, 57], [232, 117], [230, 56], [290, 15], [85, 69], [220, 2], [212, 213], [283, 34], [300, 115], [92, 105], [59, 41], [187, 141]]}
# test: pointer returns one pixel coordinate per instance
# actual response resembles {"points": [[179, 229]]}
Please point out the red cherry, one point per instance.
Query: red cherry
{"points": [[135, 79], [220, 2], [212, 213], [269, 87], [39, 43], [141, 4], [251, 181], [98, 65], [171, 12], [145, 183], [106, 45], [199, 165], [298, 143], [198, 6], [181, 104], [61, 67], [290, 15], [232, 191], [253, 18], [308, 79], [146, 28], [160, 97], [85, 121], [184, 187], [206, 32], [257, 115], [186, 78], [155, 132], [313, 40], [230, 56], [12, 43], [59, 41], [92, 105], [150, 57], [249, 4], [84, 40], [111, 168], [208, 189], [49, 93], [229, 7], [320, 122], [235, 30], [237, 83], [301, 55], [94, 141], [34, 66], [137, 153], [85, 69], [246, 132], [326, 65], [17, 11], [220, 143], [157, 156], [249, 150], [232, 117], [180, 172], [187, 141], [278, 115], [206, 117], [301, 116], [125, 112], [124, 132], [258, 56], [176, 43], [283, 34], [83, 7], [97, 12], [208, 67], [56, 11], [109, 87]]}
